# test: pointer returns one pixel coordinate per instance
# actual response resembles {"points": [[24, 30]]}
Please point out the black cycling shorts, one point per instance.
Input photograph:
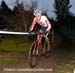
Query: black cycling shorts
{"points": [[44, 29]]}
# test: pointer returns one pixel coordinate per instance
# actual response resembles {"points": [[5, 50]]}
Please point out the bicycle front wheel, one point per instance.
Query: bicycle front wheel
{"points": [[33, 55]]}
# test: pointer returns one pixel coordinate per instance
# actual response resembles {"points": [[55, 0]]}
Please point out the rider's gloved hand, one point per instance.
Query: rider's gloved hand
{"points": [[30, 36], [29, 32]]}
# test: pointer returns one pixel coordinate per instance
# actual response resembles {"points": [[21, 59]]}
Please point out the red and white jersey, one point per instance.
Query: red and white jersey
{"points": [[44, 22]]}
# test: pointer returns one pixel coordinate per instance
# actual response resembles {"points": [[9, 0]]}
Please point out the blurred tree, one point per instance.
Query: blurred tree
{"points": [[62, 8], [34, 5], [65, 18], [19, 16], [22, 17], [5, 14], [5, 7]]}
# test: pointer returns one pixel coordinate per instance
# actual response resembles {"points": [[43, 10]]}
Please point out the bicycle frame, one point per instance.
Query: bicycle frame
{"points": [[36, 50], [40, 36]]}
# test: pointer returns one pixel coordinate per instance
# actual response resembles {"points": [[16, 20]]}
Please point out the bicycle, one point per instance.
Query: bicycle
{"points": [[36, 50]]}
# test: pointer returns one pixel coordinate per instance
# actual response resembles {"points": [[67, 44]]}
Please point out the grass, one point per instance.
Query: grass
{"points": [[7, 59], [65, 68], [11, 44]]}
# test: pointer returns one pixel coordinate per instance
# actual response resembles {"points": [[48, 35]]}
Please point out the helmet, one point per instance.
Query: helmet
{"points": [[37, 12]]}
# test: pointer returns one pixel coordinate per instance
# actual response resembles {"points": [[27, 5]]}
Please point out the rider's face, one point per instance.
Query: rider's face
{"points": [[38, 17]]}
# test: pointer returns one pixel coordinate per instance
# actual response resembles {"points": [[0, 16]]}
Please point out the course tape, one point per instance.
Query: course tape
{"points": [[19, 33], [15, 33]]}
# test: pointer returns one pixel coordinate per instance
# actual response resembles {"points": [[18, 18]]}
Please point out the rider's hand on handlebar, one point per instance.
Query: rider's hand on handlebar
{"points": [[29, 32]]}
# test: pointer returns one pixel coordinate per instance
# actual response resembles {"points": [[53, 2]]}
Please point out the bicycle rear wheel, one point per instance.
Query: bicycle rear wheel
{"points": [[47, 48], [33, 55]]}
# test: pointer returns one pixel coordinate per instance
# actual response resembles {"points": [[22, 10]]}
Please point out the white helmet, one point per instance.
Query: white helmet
{"points": [[37, 12]]}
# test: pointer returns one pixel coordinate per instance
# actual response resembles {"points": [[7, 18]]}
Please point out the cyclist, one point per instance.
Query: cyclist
{"points": [[43, 21]]}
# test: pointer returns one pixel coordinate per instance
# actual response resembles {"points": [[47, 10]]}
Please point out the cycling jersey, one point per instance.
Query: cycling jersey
{"points": [[44, 22]]}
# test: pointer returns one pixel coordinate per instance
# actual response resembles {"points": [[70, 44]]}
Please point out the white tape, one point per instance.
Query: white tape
{"points": [[19, 33], [15, 33]]}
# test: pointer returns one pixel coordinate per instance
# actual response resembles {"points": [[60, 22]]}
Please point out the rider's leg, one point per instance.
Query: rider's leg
{"points": [[39, 39], [47, 40]]}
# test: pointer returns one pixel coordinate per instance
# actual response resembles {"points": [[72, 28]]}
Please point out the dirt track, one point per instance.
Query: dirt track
{"points": [[58, 56]]}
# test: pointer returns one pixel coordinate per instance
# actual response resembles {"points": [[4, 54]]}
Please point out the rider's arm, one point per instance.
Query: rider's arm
{"points": [[32, 25], [48, 24]]}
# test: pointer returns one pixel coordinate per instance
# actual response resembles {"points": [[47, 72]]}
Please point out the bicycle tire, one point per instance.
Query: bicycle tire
{"points": [[47, 48], [33, 55]]}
